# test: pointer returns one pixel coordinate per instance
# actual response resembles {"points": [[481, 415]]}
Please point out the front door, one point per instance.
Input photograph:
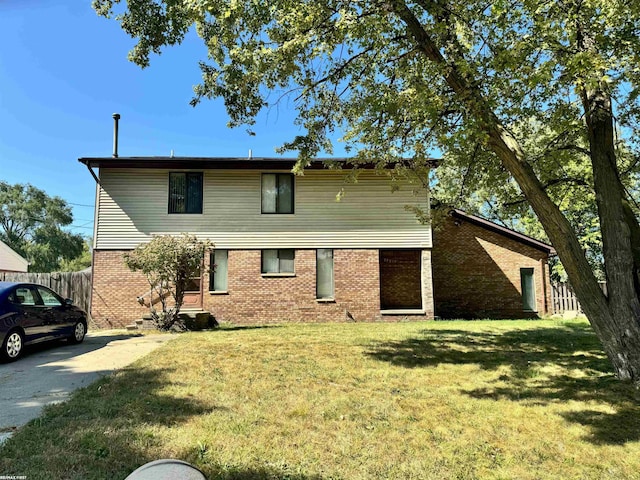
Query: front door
{"points": [[400, 280], [193, 293]]}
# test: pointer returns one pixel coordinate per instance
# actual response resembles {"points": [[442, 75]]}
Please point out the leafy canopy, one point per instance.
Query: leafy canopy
{"points": [[352, 65], [31, 223]]}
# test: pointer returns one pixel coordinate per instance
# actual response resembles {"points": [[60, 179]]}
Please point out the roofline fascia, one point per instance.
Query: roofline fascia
{"points": [[257, 163]]}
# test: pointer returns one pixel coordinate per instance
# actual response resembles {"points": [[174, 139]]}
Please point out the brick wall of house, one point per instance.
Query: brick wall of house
{"points": [[476, 273], [115, 290], [252, 298]]}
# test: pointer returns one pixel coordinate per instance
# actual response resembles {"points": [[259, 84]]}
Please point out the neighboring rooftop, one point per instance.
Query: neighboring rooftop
{"points": [[11, 261]]}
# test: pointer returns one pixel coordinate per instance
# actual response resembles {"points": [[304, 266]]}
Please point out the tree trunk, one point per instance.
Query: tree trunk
{"points": [[617, 227], [614, 319]]}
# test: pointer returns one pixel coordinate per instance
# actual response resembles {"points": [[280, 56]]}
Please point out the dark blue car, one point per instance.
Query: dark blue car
{"points": [[31, 313]]}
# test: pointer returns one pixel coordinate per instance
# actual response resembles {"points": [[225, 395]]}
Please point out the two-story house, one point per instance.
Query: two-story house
{"points": [[285, 248]]}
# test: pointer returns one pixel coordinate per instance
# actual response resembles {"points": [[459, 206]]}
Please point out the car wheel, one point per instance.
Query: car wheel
{"points": [[79, 331], [12, 345]]}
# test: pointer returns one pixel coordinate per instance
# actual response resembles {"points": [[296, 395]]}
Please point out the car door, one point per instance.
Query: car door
{"points": [[54, 316], [24, 300]]}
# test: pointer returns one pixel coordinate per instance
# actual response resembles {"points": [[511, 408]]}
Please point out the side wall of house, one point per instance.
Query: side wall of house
{"points": [[476, 273]]}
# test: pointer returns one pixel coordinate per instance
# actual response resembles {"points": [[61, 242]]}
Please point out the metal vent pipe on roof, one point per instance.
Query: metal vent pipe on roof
{"points": [[116, 117]]}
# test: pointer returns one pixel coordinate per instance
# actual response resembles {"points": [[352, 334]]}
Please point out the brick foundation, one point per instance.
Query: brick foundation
{"points": [[252, 298], [476, 273]]}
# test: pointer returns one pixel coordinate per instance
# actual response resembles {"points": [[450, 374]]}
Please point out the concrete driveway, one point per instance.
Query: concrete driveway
{"points": [[48, 373]]}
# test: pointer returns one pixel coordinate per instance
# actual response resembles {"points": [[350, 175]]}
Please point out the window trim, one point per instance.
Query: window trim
{"points": [[293, 193], [278, 273], [186, 174]]}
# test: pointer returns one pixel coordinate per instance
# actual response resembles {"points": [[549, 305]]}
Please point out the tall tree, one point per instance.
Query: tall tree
{"points": [[31, 223], [399, 77], [562, 164]]}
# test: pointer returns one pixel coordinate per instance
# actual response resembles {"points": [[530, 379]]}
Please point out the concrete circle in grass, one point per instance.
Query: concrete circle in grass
{"points": [[167, 469]]}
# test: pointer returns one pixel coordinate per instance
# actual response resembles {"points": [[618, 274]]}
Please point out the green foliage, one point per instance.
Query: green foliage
{"points": [[168, 263], [81, 262], [468, 180], [31, 224], [358, 68]]}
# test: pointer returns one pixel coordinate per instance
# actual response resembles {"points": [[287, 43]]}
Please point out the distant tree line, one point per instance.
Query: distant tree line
{"points": [[32, 223]]}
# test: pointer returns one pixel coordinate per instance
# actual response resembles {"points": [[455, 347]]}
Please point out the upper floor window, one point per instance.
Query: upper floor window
{"points": [[277, 193], [185, 192]]}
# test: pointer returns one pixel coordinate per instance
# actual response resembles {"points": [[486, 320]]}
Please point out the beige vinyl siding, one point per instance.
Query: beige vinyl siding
{"points": [[133, 207]]}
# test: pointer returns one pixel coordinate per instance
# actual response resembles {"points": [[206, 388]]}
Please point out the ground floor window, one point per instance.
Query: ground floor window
{"points": [[528, 290], [278, 261], [324, 273], [218, 271]]}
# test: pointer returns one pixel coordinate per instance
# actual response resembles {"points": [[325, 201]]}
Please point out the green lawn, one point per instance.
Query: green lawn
{"points": [[483, 399]]}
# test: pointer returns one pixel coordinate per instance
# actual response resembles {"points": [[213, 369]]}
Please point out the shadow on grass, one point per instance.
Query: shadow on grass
{"points": [[586, 372], [233, 328], [226, 472], [108, 429]]}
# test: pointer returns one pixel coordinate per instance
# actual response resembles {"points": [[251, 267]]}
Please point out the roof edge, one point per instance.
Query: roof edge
{"points": [[222, 162], [489, 225]]}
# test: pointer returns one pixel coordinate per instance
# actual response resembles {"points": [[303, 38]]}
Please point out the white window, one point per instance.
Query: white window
{"points": [[218, 271], [278, 261], [324, 273]]}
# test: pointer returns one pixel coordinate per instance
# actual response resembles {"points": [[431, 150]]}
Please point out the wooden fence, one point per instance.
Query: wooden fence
{"points": [[564, 299], [74, 285]]}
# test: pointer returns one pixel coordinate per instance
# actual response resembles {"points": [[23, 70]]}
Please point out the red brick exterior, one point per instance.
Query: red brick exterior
{"points": [[476, 273], [115, 289], [252, 298]]}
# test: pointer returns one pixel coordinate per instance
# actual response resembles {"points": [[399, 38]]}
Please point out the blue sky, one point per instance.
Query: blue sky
{"points": [[64, 72]]}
